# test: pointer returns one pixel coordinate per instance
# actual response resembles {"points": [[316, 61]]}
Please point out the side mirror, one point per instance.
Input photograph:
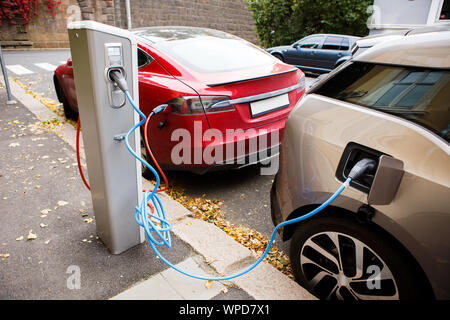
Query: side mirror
{"points": [[295, 46], [69, 62]]}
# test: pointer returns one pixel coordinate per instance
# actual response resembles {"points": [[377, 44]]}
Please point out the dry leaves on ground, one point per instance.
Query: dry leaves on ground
{"points": [[31, 236]]}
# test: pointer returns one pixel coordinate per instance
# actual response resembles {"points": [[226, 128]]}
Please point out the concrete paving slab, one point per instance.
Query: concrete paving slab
{"points": [[190, 288], [155, 288], [172, 285], [267, 283], [220, 250]]}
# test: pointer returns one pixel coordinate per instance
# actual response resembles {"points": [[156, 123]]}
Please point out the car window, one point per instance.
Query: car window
{"points": [[332, 43], [143, 58], [420, 95], [445, 11], [310, 42], [345, 45], [207, 54]]}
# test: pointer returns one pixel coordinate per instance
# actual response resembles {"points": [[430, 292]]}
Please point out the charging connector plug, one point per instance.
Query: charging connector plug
{"points": [[160, 108], [118, 78], [362, 166]]}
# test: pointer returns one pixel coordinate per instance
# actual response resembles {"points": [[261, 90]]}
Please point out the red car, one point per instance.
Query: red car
{"points": [[220, 90]]}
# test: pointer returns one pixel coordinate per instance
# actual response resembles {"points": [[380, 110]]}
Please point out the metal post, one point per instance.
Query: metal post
{"points": [[5, 76], [127, 7]]}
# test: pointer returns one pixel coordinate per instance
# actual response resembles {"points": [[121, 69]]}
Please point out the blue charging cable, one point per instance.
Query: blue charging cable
{"points": [[156, 223]]}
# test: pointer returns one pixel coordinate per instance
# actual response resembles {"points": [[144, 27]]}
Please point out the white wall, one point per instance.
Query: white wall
{"points": [[391, 15]]}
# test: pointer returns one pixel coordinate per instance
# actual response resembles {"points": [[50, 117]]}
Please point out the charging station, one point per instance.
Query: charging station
{"points": [[106, 116]]}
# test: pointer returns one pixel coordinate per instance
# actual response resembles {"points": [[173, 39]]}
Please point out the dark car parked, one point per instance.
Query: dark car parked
{"points": [[317, 53]]}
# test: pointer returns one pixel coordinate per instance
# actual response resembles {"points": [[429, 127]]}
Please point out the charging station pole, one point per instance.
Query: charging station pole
{"points": [[106, 116]]}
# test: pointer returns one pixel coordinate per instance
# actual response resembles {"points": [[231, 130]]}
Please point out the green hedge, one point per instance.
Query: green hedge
{"points": [[282, 22]]}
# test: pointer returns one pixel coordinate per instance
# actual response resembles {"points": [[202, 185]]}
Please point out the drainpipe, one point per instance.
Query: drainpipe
{"points": [[128, 10]]}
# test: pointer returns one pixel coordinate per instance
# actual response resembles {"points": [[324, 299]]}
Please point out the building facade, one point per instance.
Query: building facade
{"points": [[388, 15]]}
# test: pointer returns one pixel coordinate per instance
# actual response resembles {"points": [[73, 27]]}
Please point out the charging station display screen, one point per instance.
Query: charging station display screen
{"points": [[114, 54], [114, 51]]}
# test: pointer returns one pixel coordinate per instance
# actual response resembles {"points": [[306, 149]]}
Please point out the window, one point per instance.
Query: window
{"points": [[345, 45], [143, 58], [210, 54], [417, 94], [445, 11], [332, 43], [310, 42]]}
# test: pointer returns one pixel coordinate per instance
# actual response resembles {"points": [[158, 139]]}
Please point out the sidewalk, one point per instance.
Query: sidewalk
{"points": [[43, 200]]}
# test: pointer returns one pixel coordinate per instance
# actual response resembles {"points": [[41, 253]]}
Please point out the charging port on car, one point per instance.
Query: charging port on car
{"points": [[352, 154]]}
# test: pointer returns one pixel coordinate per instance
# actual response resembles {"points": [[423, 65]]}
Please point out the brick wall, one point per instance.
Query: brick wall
{"points": [[47, 31], [228, 15], [44, 31]]}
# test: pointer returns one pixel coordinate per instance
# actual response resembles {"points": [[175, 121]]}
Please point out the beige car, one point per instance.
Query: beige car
{"points": [[387, 236]]}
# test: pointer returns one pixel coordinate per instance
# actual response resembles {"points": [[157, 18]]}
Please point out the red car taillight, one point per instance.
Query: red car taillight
{"points": [[195, 105]]}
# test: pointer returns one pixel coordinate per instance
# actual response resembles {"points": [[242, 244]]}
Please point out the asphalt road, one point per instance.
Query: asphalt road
{"points": [[32, 72], [244, 192]]}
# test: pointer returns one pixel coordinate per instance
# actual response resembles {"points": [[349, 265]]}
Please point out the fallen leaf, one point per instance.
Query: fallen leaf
{"points": [[88, 220], [4, 255], [45, 211], [208, 284], [43, 225], [14, 144], [47, 241], [31, 235], [19, 238], [62, 203]]}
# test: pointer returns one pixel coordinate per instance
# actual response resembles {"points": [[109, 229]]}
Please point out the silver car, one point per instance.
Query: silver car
{"points": [[387, 236]]}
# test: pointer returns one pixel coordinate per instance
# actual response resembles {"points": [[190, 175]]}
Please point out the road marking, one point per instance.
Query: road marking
{"points": [[19, 69], [46, 66]]}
